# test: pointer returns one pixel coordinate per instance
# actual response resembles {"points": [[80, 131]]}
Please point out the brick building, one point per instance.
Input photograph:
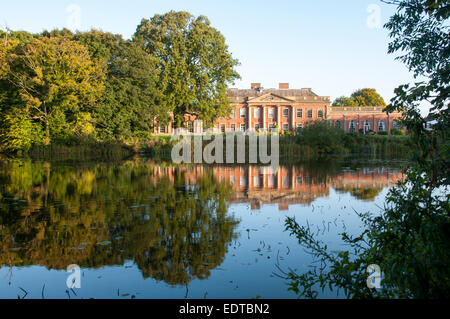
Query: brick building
{"points": [[288, 109]]}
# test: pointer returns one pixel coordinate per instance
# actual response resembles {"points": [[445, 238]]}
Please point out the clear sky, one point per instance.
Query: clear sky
{"points": [[331, 46]]}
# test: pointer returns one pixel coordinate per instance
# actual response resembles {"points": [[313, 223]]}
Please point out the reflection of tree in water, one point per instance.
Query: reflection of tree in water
{"points": [[104, 215], [366, 194]]}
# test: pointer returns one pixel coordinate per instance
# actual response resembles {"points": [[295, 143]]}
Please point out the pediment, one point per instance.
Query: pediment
{"points": [[270, 98]]}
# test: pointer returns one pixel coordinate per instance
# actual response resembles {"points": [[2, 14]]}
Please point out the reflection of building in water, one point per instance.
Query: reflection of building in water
{"points": [[289, 185]]}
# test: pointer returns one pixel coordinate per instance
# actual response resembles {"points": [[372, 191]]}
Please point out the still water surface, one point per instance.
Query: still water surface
{"points": [[139, 229]]}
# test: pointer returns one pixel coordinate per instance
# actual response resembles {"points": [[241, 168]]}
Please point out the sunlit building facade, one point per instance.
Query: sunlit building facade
{"points": [[258, 109]]}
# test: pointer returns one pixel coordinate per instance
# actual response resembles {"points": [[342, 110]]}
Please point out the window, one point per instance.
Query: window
{"points": [[271, 126], [366, 126], [271, 113], [310, 114], [162, 130], [320, 114], [257, 127], [338, 124], [257, 113], [299, 113], [243, 113], [233, 114], [232, 127], [285, 112], [352, 126], [285, 127], [381, 126], [243, 128], [190, 126], [232, 180], [299, 125], [397, 125], [222, 128], [298, 180]]}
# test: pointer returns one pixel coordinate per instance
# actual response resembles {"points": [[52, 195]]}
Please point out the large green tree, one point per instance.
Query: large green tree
{"points": [[361, 97], [58, 85], [194, 63], [131, 97]]}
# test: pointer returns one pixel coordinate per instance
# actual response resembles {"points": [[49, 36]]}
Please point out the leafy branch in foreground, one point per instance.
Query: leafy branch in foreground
{"points": [[410, 239]]}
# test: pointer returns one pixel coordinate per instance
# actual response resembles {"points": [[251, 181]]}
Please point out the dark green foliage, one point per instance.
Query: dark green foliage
{"points": [[322, 138], [131, 100]]}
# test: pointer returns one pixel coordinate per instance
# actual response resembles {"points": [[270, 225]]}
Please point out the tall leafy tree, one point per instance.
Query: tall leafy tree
{"points": [[361, 97], [368, 97], [344, 101], [57, 82], [194, 63], [131, 97]]}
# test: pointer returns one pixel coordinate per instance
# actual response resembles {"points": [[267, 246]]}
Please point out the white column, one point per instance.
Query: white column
{"points": [[249, 118], [264, 117], [279, 117], [293, 117]]}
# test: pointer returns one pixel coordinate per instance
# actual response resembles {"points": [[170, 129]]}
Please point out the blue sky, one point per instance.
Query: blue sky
{"points": [[325, 45]]}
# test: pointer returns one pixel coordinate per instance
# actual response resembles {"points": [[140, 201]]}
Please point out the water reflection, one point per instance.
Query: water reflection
{"points": [[173, 222], [174, 229]]}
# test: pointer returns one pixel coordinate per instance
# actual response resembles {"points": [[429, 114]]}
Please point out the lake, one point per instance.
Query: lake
{"points": [[141, 229]]}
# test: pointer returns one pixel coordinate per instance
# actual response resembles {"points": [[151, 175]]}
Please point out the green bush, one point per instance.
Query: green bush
{"points": [[395, 131], [322, 138]]}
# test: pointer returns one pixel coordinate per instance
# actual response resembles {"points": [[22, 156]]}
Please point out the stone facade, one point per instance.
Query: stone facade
{"points": [[288, 109]]}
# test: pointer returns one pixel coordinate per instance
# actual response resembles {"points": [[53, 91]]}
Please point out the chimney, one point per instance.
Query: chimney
{"points": [[256, 86], [284, 86]]}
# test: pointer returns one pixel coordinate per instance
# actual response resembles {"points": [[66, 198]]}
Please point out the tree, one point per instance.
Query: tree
{"points": [[367, 97], [194, 63], [55, 79], [131, 98], [322, 138], [361, 97], [409, 240], [344, 101]]}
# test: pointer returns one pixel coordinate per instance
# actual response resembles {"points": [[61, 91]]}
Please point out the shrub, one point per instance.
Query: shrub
{"points": [[322, 138]]}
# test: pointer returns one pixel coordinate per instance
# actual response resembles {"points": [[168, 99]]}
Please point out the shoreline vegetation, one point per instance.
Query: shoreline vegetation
{"points": [[291, 148]]}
